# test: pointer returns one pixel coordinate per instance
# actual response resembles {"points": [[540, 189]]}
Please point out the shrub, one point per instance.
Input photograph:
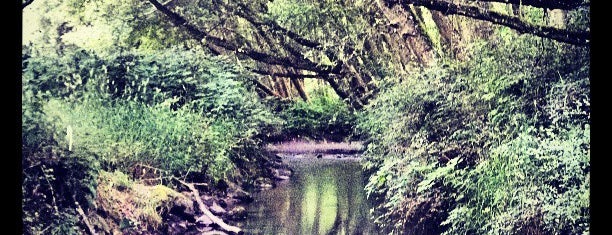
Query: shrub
{"points": [[498, 144], [184, 112], [325, 116], [535, 183]]}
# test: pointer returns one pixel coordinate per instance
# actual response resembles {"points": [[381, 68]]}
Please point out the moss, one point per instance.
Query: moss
{"points": [[154, 201], [135, 205]]}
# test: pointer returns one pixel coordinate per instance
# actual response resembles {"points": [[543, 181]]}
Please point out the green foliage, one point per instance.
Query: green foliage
{"points": [[183, 112], [414, 125], [353, 25], [538, 181], [324, 116], [124, 133], [176, 110], [54, 178], [498, 144]]}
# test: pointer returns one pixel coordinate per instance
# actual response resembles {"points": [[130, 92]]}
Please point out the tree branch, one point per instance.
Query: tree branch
{"points": [[264, 88], [448, 8], [550, 4], [246, 13], [210, 215], [300, 88], [212, 41]]}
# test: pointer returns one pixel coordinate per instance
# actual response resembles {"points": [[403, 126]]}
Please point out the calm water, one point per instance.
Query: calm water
{"points": [[324, 196]]}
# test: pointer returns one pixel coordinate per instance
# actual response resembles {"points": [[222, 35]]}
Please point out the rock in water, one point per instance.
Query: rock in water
{"points": [[222, 203], [242, 196], [204, 221], [216, 209], [237, 213], [282, 177], [214, 232], [320, 156], [281, 174], [176, 225]]}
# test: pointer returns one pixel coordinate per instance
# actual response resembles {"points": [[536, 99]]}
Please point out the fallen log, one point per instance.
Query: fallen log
{"points": [[216, 220]]}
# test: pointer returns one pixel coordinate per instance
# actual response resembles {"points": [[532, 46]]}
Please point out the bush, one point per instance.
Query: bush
{"points": [[537, 182], [498, 144], [325, 116], [126, 133], [183, 112], [178, 110], [54, 177], [415, 128]]}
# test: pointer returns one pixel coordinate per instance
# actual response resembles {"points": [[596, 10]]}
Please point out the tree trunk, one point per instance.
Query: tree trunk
{"points": [[300, 88]]}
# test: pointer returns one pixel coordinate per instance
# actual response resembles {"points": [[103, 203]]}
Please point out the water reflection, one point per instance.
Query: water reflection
{"points": [[325, 196]]}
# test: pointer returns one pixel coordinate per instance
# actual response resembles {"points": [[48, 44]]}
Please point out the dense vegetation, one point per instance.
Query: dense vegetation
{"points": [[324, 117], [183, 112], [497, 144], [475, 114]]}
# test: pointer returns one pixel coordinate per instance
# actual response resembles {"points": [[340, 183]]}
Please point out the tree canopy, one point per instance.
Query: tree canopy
{"points": [[474, 114]]}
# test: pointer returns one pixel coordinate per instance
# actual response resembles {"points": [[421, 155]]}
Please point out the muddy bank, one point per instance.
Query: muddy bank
{"points": [[166, 204], [322, 147], [220, 208]]}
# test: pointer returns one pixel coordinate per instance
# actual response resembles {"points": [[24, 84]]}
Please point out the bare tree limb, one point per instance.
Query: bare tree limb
{"points": [[581, 38], [264, 88], [247, 14], [210, 215], [300, 88]]}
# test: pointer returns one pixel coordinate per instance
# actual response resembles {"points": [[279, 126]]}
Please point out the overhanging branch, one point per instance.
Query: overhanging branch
{"points": [[212, 41], [448, 8], [550, 4], [246, 13]]}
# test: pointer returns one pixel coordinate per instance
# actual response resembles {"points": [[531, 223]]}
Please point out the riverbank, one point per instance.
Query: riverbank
{"points": [[200, 208], [316, 147], [225, 202]]}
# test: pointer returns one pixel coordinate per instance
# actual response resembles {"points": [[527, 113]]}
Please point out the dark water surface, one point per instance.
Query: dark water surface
{"points": [[324, 196]]}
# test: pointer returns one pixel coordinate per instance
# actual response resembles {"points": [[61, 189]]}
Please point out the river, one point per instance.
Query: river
{"points": [[324, 196]]}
